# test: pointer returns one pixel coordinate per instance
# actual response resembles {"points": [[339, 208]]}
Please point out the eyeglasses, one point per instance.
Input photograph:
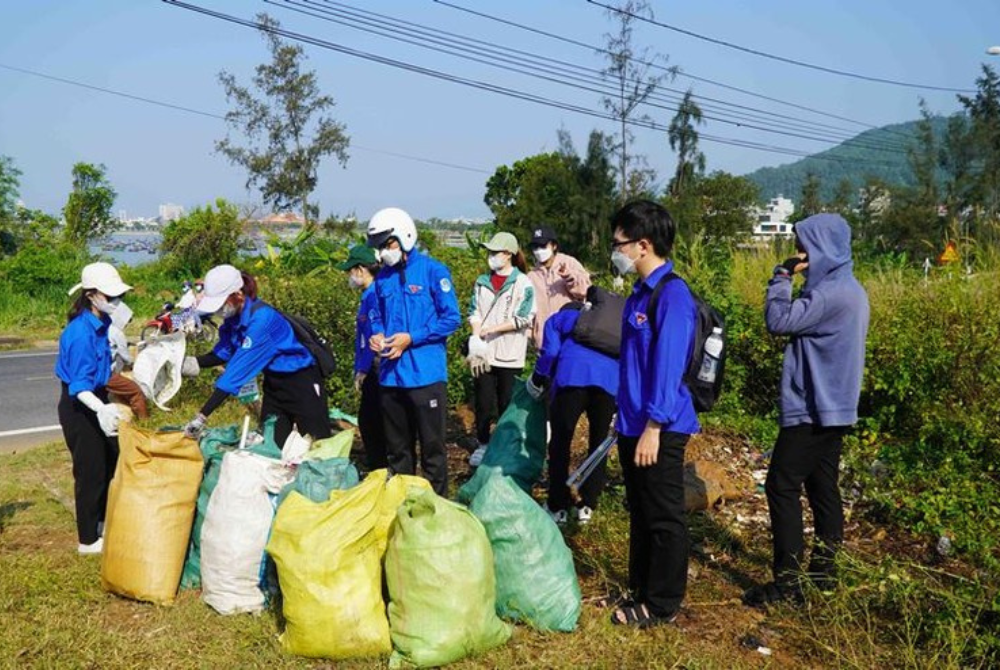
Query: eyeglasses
{"points": [[619, 245]]}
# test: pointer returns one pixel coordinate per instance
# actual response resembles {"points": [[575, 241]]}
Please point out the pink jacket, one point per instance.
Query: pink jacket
{"points": [[564, 281]]}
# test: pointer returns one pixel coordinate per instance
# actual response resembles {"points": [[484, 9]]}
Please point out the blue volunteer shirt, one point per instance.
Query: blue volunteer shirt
{"points": [[363, 356], [84, 360], [254, 341], [416, 298], [570, 364], [652, 366]]}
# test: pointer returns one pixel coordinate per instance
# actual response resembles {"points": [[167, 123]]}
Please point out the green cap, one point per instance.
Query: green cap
{"points": [[502, 242], [359, 255]]}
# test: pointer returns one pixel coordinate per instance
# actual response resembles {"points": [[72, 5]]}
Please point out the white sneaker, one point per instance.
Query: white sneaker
{"points": [[559, 516], [583, 515], [95, 548], [477, 456]]}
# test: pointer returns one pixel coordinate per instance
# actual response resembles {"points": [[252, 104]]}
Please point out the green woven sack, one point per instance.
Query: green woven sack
{"points": [[536, 580], [517, 447], [442, 591]]}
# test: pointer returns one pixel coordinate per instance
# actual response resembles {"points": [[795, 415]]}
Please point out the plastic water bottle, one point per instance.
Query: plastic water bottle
{"points": [[710, 363]]}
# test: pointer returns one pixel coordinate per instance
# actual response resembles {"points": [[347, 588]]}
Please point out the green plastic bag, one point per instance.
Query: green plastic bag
{"points": [[536, 580], [214, 444], [442, 590], [325, 468], [338, 446], [517, 447]]}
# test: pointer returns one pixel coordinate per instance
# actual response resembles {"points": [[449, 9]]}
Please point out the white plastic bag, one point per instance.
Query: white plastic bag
{"points": [[236, 529], [157, 368]]}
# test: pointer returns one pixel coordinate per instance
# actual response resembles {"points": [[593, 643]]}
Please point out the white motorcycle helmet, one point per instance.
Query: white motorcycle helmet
{"points": [[392, 222]]}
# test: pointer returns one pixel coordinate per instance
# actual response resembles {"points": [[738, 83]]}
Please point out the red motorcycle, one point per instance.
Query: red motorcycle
{"points": [[185, 319]]}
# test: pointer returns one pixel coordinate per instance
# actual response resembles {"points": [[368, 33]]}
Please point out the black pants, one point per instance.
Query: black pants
{"points": [[809, 455], [658, 534], [370, 422], [411, 413], [564, 413], [297, 398], [493, 392], [95, 456]]}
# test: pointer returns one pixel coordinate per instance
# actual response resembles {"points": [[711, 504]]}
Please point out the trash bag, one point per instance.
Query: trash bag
{"points": [[151, 505], [324, 468], [536, 580], [157, 368], [338, 446], [214, 444], [517, 448], [439, 571], [330, 573], [236, 528]]}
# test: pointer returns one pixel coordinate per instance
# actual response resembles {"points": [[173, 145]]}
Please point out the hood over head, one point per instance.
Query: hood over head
{"points": [[826, 238]]}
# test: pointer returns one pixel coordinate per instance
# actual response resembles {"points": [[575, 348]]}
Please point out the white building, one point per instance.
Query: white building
{"points": [[772, 220], [170, 212]]}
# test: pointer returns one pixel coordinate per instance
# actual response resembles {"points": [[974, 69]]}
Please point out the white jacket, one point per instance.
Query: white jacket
{"points": [[513, 303]]}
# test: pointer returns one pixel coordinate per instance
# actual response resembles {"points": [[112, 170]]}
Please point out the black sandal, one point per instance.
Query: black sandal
{"points": [[639, 616], [615, 599]]}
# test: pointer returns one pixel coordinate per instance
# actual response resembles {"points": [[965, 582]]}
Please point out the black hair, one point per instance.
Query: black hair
{"points": [[373, 269], [81, 304], [647, 220]]}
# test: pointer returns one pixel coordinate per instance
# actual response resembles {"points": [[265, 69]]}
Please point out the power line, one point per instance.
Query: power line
{"points": [[493, 54], [481, 85], [190, 110], [782, 59]]}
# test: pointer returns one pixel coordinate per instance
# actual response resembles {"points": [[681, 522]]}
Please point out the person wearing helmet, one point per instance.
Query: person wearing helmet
{"points": [[254, 338], [89, 422], [558, 278], [503, 309], [415, 312]]}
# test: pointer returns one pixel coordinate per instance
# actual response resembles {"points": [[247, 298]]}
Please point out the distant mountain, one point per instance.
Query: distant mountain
{"points": [[879, 153]]}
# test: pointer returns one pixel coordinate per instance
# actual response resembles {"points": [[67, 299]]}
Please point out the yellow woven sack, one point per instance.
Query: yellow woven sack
{"points": [[151, 505], [395, 493]]}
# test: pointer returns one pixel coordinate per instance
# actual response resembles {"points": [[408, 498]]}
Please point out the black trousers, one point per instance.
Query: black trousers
{"points": [[412, 413], [493, 392], [297, 398], [370, 422], [95, 456], [564, 413], [658, 533], [810, 455]]}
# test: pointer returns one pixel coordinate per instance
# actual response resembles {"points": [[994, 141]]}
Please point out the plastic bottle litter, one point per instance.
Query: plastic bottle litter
{"points": [[713, 351], [944, 546]]}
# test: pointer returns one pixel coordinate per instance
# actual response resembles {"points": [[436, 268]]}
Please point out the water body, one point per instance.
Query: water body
{"points": [[135, 248]]}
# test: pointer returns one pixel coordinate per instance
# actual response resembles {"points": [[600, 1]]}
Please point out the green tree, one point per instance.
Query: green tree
{"points": [[203, 238], [718, 206], [10, 184], [923, 158], [811, 203], [284, 124], [88, 208], [683, 138], [984, 117], [842, 197], [630, 69]]}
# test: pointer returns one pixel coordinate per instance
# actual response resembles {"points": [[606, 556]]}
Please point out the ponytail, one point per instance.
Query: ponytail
{"points": [[249, 286]]}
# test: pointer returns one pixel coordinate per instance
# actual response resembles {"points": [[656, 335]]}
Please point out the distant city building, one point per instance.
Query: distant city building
{"points": [[281, 220], [772, 220], [170, 212]]}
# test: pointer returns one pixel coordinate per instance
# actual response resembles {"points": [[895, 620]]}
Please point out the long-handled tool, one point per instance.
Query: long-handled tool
{"points": [[580, 475]]}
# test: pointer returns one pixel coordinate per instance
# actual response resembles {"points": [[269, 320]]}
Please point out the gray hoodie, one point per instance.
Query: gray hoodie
{"points": [[828, 322]]}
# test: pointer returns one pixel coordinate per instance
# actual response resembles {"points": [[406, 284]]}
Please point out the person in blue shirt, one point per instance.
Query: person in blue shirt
{"points": [[254, 338], [361, 267], [580, 379], [415, 312], [656, 415], [89, 422]]}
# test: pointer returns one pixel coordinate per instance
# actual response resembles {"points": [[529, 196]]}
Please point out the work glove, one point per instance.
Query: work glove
{"points": [[478, 365], [190, 367], [535, 386], [195, 427], [478, 348], [108, 415], [790, 264]]}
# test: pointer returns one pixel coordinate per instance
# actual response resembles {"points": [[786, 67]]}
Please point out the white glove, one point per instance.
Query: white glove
{"points": [[195, 427], [190, 367], [478, 365], [534, 391], [478, 348], [108, 415]]}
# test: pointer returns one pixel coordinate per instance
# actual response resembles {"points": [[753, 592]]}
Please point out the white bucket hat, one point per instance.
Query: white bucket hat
{"points": [[221, 282], [103, 277]]}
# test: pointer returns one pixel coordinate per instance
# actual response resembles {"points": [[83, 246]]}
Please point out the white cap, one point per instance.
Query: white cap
{"points": [[103, 277], [221, 282]]}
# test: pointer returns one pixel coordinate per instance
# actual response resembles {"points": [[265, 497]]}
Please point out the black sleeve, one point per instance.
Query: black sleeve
{"points": [[209, 360], [217, 398]]}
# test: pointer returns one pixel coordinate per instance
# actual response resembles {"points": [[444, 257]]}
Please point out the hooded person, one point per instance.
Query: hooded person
{"points": [[558, 279], [255, 338], [415, 312], [820, 388], [89, 421]]}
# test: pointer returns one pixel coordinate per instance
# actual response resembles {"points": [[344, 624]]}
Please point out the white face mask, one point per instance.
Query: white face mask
{"points": [[121, 316], [622, 263], [392, 256], [227, 311], [542, 254], [103, 305], [497, 262], [353, 281]]}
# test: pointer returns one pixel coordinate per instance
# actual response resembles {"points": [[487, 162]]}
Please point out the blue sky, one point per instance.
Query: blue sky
{"points": [[152, 49]]}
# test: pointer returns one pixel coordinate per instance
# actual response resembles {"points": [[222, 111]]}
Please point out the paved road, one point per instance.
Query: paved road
{"points": [[29, 392]]}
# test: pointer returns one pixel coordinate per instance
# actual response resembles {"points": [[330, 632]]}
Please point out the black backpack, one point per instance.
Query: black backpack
{"points": [[703, 394], [308, 338], [599, 326]]}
